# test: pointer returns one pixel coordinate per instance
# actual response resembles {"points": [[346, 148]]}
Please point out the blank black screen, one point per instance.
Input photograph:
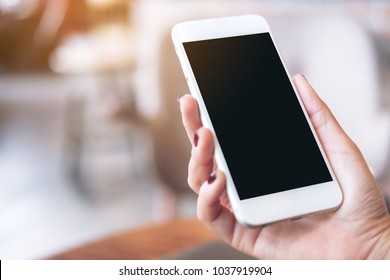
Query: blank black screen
{"points": [[262, 130]]}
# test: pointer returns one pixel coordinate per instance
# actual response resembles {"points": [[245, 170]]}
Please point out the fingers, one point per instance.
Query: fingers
{"points": [[211, 189], [190, 115], [202, 159], [210, 210]]}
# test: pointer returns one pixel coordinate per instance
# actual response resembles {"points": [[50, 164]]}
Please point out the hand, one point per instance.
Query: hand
{"points": [[359, 229]]}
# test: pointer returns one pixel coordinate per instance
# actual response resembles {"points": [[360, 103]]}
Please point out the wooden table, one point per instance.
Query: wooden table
{"points": [[152, 242]]}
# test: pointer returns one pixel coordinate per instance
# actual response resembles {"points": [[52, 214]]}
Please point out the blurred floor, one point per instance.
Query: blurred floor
{"points": [[43, 210]]}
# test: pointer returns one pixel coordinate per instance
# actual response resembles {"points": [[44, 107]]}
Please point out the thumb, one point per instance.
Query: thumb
{"points": [[331, 135], [344, 156]]}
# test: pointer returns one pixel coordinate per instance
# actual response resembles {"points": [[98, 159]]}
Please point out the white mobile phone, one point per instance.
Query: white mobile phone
{"points": [[275, 166]]}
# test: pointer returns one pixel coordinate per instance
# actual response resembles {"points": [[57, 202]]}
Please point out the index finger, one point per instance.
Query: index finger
{"points": [[190, 115]]}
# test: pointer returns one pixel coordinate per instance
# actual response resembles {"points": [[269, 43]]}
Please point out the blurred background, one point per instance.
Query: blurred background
{"points": [[91, 141]]}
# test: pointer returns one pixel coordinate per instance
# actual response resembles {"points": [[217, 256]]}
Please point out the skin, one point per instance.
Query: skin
{"points": [[359, 229]]}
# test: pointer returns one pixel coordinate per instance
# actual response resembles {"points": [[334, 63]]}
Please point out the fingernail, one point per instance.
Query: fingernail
{"points": [[196, 138], [178, 99], [212, 177]]}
